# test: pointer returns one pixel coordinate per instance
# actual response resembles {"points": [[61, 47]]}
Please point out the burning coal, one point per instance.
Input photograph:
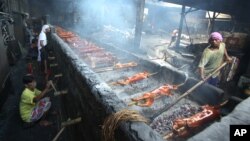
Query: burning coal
{"points": [[164, 123]]}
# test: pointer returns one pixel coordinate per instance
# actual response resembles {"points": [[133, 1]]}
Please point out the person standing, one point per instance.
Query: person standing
{"points": [[173, 40], [42, 50], [213, 56]]}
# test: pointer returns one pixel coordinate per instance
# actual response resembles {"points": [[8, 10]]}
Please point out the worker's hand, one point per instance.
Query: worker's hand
{"points": [[229, 60], [202, 77]]}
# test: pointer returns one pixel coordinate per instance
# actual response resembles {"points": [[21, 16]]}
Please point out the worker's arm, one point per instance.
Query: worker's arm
{"points": [[201, 66], [42, 43], [201, 72], [41, 95], [227, 57]]}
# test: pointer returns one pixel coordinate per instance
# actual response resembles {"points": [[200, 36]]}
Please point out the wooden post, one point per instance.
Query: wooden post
{"points": [[139, 22], [180, 26]]}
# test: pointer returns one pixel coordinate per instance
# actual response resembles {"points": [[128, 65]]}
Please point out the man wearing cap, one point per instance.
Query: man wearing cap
{"points": [[212, 57]]}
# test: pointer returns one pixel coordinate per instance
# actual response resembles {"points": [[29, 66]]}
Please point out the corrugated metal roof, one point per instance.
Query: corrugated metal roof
{"points": [[237, 8]]}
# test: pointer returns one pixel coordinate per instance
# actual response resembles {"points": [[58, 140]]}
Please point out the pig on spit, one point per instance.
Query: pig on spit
{"points": [[182, 127], [147, 99], [132, 79]]}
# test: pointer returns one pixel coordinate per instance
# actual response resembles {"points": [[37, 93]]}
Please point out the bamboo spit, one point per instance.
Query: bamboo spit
{"points": [[52, 85], [66, 124], [160, 95], [53, 65], [57, 93], [136, 102], [52, 58], [188, 92], [116, 66], [187, 127], [60, 92], [122, 82], [71, 122], [58, 75]]}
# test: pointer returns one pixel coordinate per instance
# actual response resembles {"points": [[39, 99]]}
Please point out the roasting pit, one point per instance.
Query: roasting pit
{"points": [[95, 88], [163, 124]]}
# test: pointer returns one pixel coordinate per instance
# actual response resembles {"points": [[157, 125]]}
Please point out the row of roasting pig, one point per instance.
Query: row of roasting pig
{"points": [[92, 54], [98, 57]]}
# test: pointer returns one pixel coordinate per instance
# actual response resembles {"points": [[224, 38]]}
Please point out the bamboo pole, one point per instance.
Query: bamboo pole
{"points": [[57, 93], [52, 58], [52, 85], [58, 134], [58, 75], [188, 92], [60, 92], [53, 65], [71, 122], [66, 124]]}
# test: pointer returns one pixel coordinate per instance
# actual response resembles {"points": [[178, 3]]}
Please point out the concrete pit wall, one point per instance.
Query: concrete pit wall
{"points": [[92, 99], [4, 70]]}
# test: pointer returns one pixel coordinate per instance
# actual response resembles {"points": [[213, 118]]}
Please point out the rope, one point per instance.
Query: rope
{"points": [[112, 122]]}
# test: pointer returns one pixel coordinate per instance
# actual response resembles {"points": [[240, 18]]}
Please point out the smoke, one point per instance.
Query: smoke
{"points": [[98, 13], [113, 22], [103, 20]]}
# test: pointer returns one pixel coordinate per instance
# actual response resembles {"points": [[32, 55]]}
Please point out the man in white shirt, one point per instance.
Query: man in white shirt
{"points": [[42, 53]]}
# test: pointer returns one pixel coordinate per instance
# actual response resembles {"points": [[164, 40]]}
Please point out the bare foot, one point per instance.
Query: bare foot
{"points": [[53, 112], [45, 123]]}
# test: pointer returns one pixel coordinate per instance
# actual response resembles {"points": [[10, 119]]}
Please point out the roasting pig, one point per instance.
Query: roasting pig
{"points": [[147, 99], [182, 127]]}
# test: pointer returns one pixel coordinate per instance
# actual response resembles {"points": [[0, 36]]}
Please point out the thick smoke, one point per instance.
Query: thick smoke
{"points": [[96, 14], [105, 19]]}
